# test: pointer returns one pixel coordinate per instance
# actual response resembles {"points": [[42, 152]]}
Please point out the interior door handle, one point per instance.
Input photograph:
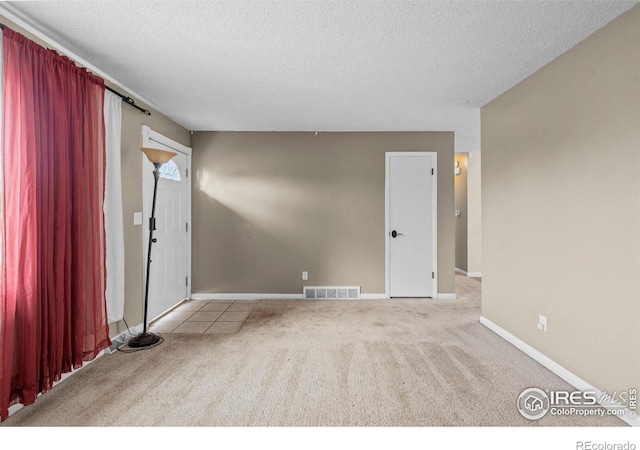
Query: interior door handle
{"points": [[395, 234]]}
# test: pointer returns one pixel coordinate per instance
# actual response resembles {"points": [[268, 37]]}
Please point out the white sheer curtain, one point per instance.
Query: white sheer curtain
{"points": [[114, 224]]}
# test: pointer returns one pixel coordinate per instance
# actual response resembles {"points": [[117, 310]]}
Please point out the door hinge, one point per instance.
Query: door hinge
{"points": [[187, 226], [433, 274], [187, 173], [432, 172], [186, 280]]}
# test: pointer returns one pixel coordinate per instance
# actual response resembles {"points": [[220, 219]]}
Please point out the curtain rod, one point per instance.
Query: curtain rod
{"points": [[126, 99], [129, 101]]}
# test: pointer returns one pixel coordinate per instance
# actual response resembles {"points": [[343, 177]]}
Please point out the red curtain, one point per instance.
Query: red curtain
{"points": [[52, 293]]}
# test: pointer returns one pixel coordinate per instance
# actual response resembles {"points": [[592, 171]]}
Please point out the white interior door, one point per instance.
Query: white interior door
{"points": [[411, 225], [170, 254]]}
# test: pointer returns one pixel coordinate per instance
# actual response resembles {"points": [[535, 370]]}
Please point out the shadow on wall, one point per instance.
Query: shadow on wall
{"points": [[285, 203], [288, 223], [256, 198]]}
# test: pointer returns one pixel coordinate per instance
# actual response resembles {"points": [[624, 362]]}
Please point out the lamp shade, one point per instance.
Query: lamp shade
{"points": [[158, 156]]}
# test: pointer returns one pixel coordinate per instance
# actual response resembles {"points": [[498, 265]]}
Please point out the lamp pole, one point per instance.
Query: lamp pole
{"points": [[157, 158], [152, 240], [147, 339]]}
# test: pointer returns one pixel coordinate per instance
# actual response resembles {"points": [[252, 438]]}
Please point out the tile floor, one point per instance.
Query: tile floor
{"points": [[204, 317]]}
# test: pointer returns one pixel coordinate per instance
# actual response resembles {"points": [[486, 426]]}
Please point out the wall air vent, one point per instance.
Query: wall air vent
{"points": [[331, 292]]}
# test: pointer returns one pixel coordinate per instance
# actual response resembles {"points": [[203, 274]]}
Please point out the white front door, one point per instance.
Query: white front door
{"points": [[411, 224], [170, 254]]}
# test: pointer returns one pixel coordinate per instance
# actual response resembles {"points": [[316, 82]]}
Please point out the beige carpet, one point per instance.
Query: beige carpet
{"points": [[407, 362]]}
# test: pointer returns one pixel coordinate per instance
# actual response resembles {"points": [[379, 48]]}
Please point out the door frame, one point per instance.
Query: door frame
{"points": [[148, 138], [434, 215]]}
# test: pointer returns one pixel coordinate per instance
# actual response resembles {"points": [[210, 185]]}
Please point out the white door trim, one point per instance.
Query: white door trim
{"points": [[148, 138], [434, 215]]}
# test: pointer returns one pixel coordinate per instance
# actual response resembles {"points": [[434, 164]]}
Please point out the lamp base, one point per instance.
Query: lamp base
{"points": [[144, 340]]}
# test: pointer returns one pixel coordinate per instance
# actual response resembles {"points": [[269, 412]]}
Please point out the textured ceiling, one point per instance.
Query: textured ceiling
{"points": [[318, 65]]}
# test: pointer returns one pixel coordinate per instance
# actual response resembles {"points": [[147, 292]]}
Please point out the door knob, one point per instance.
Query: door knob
{"points": [[394, 234]]}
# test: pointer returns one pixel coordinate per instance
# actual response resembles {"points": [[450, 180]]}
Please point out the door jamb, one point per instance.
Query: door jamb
{"points": [[434, 216]]}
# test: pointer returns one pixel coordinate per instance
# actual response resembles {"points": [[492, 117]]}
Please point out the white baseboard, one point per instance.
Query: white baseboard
{"points": [[231, 296], [554, 367], [124, 337], [205, 296], [446, 296], [469, 274]]}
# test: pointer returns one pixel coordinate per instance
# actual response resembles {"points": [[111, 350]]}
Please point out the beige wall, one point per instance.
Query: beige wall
{"points": [[267, 206], [561, 208], [474, 213], [460, 183], [132, 121]]}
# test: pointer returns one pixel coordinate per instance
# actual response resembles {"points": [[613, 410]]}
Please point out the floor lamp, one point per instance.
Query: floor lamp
{"points": [[157, 157]]}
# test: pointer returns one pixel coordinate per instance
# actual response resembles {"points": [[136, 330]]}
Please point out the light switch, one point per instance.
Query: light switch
{"points": [[137, 218]]}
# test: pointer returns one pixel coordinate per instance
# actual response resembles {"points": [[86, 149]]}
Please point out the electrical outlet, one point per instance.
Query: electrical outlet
{"points": [[542, 323], [305, 275]]}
